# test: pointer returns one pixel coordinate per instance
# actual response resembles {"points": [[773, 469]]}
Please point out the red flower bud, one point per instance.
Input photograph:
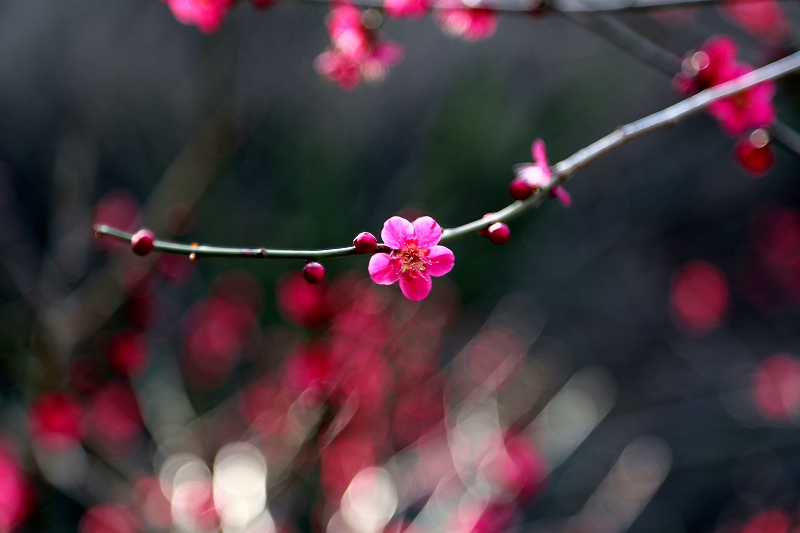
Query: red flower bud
{"points": [[313, 272], [520, 189], [754, 154], [498, 233], [142, 242], [365, 243]]}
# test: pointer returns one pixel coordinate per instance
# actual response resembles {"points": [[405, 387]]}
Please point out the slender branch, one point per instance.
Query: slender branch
{"points": [[561, 171]]}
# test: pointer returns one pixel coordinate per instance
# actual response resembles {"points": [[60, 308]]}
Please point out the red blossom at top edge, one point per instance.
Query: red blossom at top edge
{"points": [[405, 8], [763, 18], [473, 24], [207, 15]]}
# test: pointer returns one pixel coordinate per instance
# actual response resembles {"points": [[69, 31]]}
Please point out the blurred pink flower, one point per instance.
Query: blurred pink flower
{"points": [[747, 110], [16, 492], [207, 15], [520, 469], [114, 416], [538, 174], [776, 386], [356, 50], [699, 296], [415, 256], [129, 353], [302, 303], [763, 18], [473, 24], [704, 68], [56, 421], [405, 8]]}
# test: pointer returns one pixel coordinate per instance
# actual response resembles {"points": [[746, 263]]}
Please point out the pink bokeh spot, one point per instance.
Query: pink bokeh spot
{"points": [[207, 15], [538, 174], [473, 24], [699, 296], [415, 256], [405, 8], [776, 386], [763, 18], [16, 492], [56, 421]]}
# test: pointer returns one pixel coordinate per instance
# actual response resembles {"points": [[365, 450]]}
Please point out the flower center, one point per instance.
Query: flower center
{"points": [[413, 257]]}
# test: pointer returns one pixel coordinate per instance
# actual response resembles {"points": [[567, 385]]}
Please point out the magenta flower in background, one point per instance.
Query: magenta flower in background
{"points": [[356, 50], [538, 174], [715, 61], [473, 24], [207, 15], [405, 8], [748, 110], [415, 256]]}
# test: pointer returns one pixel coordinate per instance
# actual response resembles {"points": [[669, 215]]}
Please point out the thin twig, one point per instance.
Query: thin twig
{"points": [[561, 171]]}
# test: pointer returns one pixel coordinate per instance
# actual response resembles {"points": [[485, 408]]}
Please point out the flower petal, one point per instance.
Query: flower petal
{"points": [[415, 288], [562, 195], [427, 231], [396, 232], [540, 155], [384, 269], [441, 261]]}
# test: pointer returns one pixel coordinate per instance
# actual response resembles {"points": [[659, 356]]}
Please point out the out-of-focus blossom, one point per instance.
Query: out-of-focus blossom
{"points": [[216, 330], [342, 460], [105, 518], [699, 296], [114, 417], [481, 518], [747, 110], [56, 421], [768, 521], [262, 4], [128, 353], [538, 174], [704, 68], [302, 303], [754, 153], [309, 369], [405, 8], [415, 256], [763, 18], [174, 268], [16, 492], [471, 23], [776, 386], [207, 15], [356, 50]]}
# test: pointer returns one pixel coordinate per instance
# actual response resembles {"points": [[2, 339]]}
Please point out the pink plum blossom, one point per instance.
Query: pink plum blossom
{"points": [[415, 256], [763, 18], [538, 174], [473, 24], [747, 110], [207, 15], [405, 8]]}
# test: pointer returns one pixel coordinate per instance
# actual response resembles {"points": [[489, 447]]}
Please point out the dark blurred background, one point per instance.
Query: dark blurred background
{"points": [[233, 139]]}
